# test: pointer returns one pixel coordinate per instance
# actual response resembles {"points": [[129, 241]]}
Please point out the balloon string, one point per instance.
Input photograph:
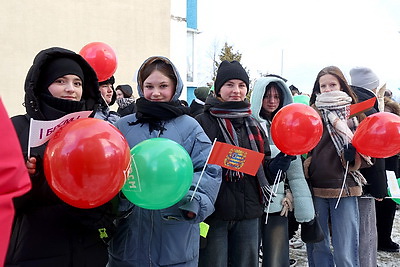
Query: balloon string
{"points": [[202, 171], [344, 181], [274, 190], [344, 178]]}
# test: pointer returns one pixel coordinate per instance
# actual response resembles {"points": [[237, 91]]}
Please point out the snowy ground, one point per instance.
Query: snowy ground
{"points": [[385, 259]]}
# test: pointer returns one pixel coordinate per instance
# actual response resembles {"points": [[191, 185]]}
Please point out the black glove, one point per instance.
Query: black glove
{"points": [[349, 152], [280, 162]]}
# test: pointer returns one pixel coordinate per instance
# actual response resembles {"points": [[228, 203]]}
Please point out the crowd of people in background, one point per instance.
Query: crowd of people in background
{"points": [[252, 219]]}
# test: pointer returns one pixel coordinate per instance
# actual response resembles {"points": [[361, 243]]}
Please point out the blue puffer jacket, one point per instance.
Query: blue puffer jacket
{"points": [[164, 237], [303, 205]]}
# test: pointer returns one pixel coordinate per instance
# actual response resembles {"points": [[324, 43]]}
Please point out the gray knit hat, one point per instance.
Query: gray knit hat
{"points": [[126, 89], [364, 77]]}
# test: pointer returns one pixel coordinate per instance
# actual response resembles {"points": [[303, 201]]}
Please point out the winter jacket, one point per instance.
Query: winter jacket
{"points": [[106, 114], [196, 107], [375, 175], [238, 200], [392, 163], [303, 205], [325, 170], [127, 110], [165, 237], [48, 232]]}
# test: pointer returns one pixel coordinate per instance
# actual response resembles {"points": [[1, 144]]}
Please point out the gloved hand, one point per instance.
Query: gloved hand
{"points": [[349, 152], [280, 162], [287, 204]]}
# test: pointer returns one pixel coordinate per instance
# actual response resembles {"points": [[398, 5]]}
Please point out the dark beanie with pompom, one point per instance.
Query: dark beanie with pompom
{"points": [[230, 71]]}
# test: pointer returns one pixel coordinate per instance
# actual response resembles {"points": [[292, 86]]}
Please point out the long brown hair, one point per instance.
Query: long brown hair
{"points": [[335, 71], [263, 113]]}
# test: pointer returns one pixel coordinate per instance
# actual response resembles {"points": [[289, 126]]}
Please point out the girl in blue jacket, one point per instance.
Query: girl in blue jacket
{"points": [[166, 237]]}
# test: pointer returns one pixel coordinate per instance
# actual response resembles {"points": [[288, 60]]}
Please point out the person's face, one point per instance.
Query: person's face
{"points": [[158, 87], [107, 92], [119, 94], [328, 83], [68, 87], [271, 100], [233, 90]]}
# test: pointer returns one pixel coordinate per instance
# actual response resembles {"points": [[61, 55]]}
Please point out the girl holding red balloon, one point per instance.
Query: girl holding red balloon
{"points": [[269, 95], [47, 231], [153, 235], [332, 168]]}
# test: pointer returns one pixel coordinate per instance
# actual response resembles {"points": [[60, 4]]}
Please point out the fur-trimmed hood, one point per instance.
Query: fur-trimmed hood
{"points": [[392, 106]]}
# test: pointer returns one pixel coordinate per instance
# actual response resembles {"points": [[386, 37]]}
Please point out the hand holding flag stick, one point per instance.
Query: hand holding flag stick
{"points": [[202, 171], [232, 157]]}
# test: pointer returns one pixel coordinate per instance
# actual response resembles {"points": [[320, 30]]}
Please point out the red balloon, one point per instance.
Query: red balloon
{"points": [[378, 135], [86, 162], [102, 58], [296, 129]]}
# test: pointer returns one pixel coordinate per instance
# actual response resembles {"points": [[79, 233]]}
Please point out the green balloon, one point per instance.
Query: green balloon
{"points": [[161, 174], [397, 200], [302, 99]]}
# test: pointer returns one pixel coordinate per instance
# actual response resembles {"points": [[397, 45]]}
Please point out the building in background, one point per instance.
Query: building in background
{"points": [[191, 49], [135, 29]]}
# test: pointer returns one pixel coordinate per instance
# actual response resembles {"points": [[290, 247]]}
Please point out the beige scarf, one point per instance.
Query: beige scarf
{"points": [[335, 109]]}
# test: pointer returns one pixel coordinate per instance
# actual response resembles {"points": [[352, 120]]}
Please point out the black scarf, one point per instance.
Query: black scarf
{"points": [[216, 105], [156, 113], [54, 108]]}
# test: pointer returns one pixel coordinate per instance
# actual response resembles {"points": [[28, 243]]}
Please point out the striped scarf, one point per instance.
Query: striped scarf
{"points": [[224, 112], [335, 109]]}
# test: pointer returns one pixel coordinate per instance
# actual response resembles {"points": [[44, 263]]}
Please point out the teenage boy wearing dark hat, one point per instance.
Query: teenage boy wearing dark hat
{"points": [[109, 96], [107, 90]]}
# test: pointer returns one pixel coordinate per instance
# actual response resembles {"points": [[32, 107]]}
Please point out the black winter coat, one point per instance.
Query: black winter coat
{"points": [[236, 200], [376, 174], [130, 109], [196, 108], [48, 232]]}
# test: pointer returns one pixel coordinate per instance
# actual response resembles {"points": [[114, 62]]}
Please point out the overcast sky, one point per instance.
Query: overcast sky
{"points": [[297, 39]]}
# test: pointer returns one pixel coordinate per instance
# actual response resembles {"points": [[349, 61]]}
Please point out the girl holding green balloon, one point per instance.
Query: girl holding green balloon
{"points": [[169, 151]]}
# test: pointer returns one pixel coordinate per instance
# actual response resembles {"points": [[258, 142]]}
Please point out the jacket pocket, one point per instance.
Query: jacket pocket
{"points": [[180, 241]]}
